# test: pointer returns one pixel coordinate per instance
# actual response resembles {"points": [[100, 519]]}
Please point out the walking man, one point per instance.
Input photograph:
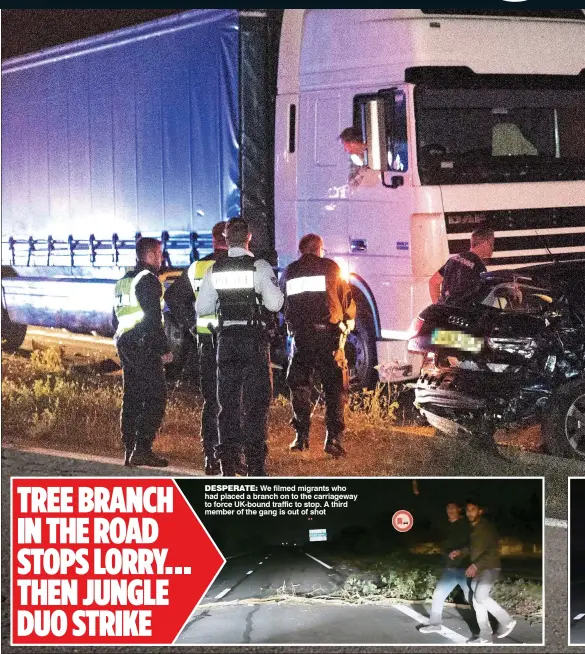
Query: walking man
{"points": [[484, 570], [180, 299], [143, 350], [460, 278], [456, 539], [320, 312], [242, 291]]}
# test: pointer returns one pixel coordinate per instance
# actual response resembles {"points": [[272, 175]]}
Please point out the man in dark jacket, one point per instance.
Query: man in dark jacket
{"points": [[484, 571], [456, 538], [143, 350], [459, 279], [180, 299], [320, 312]]}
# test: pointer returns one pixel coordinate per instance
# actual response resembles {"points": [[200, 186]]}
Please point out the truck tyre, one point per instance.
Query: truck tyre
{"points": [[360, 349], [563, 428], [12, 333]]}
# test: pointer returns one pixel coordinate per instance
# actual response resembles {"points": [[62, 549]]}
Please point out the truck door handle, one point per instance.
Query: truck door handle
{"points": [[359, 245]]}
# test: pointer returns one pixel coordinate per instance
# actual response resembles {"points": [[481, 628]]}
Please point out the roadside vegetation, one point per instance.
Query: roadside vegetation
{"points": [[50, 402], [403, 577]]}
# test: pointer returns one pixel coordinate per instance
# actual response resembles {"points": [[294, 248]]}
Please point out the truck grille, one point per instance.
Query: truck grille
{"points": [[523, 236]]}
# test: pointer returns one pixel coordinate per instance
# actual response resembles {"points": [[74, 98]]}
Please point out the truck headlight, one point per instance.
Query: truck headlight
{"points": [[524, 347]]}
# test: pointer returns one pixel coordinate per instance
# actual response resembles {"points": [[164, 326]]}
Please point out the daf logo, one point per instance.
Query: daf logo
{"points": [[466, 219]]}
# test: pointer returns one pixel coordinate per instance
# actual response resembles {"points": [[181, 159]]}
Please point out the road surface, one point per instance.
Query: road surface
{"points": [[255, 577]]}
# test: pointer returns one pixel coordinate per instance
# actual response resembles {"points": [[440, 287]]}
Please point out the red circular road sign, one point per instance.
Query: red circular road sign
{"points": [[402, 520]]}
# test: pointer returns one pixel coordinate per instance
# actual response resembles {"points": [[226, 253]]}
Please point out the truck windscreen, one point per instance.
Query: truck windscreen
{"points": [[491, 135]]}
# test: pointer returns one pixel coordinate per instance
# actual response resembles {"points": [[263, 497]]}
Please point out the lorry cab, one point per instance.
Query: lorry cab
{"points": [[468, 119]]}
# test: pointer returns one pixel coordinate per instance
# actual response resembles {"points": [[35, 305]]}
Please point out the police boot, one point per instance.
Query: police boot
{"points": [[148, 458], [212, 465], [127, 456], [228, 467], [300, 443], [257, 469], [333, 446]]}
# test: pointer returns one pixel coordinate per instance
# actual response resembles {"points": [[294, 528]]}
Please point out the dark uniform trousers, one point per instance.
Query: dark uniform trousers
{"points": [[145, 395], [244, 391], [316, 352], [208, 384]]}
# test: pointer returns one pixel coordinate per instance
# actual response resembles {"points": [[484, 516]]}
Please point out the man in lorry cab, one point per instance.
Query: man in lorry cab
{"points": [[456, 537], [484, 570], [320, 312], [459, 280], [359, 172], [143, 350], [180, 298], [243, 291]]}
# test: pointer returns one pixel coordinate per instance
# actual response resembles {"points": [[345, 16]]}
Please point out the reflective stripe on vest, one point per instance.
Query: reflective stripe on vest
{"points": [[203, 323], [197, 272], [315, 284], [233, 279], [127, 308]]}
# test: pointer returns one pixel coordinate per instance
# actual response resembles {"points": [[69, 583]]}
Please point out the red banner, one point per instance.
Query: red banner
{"points": [[105, 561]]}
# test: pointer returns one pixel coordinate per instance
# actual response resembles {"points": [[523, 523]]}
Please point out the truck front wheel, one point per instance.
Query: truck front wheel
{"points": [[360, 349], [12, 333]]}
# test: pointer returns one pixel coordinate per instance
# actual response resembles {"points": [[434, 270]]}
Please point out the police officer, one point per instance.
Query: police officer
{"points": [[244, 289], [320, 312], [143, 350], [460, 278], [180, 299]]}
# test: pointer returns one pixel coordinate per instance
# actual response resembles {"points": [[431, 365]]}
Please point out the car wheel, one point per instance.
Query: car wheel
{"points": [[12, 333], [563, 429]]}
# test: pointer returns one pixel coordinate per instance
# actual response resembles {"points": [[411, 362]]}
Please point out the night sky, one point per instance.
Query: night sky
{"points": [[515, 506], [29, 30]]}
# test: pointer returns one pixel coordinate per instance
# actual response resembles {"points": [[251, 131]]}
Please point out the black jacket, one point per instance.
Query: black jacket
{"points": [[331, 305], [180, 298]]}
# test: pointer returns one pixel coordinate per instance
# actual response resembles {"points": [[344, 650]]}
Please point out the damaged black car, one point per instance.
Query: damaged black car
{"points": [[512, 357]]}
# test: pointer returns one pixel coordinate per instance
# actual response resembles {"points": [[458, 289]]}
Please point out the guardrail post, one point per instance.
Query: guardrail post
{"points": [[115, 251], [31, 249], [194, 252]]}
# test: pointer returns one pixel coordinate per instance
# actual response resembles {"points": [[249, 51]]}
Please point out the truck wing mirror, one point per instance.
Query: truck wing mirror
{"points": [[376, 129]]}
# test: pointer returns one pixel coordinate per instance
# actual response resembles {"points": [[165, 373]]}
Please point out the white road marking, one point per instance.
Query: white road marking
{"points": [[578, 617], [234, 556], [445, 631], [222, 594], [325, 565], [249, 572]]}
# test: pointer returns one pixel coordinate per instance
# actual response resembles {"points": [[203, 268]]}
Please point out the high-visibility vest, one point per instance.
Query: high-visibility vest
{"points": [[126, 306], [196, 273]]}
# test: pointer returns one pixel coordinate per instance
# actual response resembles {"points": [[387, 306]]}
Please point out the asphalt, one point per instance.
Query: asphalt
{"points": [[235, 610]]}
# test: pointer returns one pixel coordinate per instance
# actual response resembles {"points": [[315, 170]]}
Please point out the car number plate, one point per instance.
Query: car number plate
{"points": [[457, 340]]}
